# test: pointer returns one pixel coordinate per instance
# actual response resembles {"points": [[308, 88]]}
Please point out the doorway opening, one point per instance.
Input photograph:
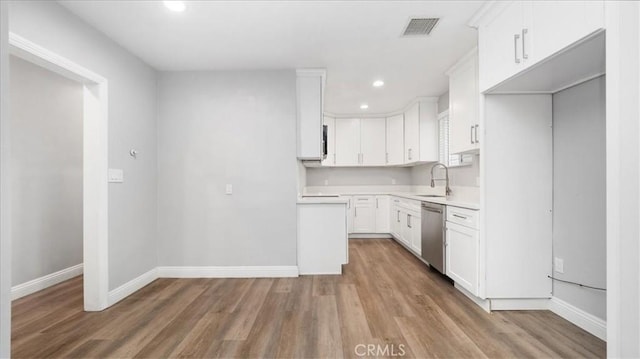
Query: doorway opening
{"points": [[94, 164]]}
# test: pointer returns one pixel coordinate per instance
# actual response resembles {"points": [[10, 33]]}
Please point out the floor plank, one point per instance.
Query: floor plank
{"points": [[387, 301]]}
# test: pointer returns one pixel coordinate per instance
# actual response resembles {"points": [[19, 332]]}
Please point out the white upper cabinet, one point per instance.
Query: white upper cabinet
{"points": [[347, 142], [395, 140], [309, 104], [372, 142], [412, 134], [464, 99], [514, 35], [330, 160], [558, 24]]}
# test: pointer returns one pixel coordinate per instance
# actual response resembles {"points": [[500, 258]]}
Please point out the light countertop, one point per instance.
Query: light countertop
{"points": [[409, 195], [320, 199]]}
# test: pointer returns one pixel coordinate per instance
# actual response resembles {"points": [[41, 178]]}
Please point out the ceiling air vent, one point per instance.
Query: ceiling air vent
{"points": [[420, 26]]}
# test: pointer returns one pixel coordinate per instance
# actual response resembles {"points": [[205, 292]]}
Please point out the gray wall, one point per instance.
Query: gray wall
{"points": [[443, 102], [46, 171], [338, 176], [5, 180], [132, 124], [463, 176], [218, 128], [579, 198]]}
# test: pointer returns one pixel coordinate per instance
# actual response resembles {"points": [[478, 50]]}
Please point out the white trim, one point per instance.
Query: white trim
{"points": [[95, 165], [482, 303], [228, 272], [369, 235], [462, 61], [519, 303], [381, 115], [38, 284], [132, 286], [579, 317]]}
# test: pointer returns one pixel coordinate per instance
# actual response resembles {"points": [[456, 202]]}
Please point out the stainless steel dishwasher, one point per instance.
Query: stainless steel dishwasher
{"points": [[433, 217]]}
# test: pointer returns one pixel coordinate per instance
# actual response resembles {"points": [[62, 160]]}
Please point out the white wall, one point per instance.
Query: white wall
{"points": [[46, 171], [218, 128], [132, 124], [367, 176], [623, 178], [579, 194], [5, 189], [443, 102]]}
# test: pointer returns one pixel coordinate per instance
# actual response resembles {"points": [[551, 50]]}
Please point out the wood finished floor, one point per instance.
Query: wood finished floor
{"points": [[385, 297]]}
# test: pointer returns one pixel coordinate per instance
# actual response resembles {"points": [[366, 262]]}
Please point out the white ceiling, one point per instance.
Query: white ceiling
{"points": [[356, 41]]}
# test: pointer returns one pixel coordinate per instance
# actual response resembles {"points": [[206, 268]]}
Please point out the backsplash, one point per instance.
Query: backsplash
{"points": [[463, 176], [354, 176]]}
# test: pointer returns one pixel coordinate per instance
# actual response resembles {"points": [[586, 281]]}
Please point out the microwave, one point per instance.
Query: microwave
{"points": [[325, 144]]}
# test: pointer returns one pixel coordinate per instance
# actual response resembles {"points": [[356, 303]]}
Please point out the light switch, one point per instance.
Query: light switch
{"points": [[116, 175], [229, 189]]}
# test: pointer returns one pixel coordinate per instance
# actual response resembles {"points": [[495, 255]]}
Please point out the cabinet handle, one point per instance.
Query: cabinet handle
{"points": [[387, 157], [471, 134], [409, 220], [355, 211], [524, 51], [409, 154], [334, 158], [398, 217], [376, 203], [459, 216], [476, 132], [515, 48]]}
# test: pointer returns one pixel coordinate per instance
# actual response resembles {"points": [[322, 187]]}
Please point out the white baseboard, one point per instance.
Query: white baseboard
{"points": [[47, 281], [369, 235], [482, 303], [520, 304], [132, 286], [579, 317], [229, 272]]}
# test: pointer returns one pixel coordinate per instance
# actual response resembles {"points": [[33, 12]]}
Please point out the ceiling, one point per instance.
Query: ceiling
{"points": [[356, 41]]}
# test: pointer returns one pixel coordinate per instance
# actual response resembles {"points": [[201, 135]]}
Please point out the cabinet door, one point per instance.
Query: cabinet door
{"points": [[364, 214], [462, 256], [382, 214], [349, 213], [558, 24], [347, 142], [464, 100], [330, 122], [395, 140], [412, 134], [500, 45], [372, 142], [416, 233], [394, 218], [405, 230]]}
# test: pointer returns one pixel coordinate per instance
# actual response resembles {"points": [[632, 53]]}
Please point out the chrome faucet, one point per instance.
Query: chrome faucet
{"points": [[446, 172]]}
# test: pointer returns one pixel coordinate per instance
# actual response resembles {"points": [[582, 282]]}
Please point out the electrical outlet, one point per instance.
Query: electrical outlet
{"points": [[558, 265], [229, 189], [393, 181], [326, 182]]}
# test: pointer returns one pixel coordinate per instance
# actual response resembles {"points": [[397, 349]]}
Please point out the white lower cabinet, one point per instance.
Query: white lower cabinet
{"points": [[462, 248], [394, 218], [382, 214], [364, 214], [349, 213]]}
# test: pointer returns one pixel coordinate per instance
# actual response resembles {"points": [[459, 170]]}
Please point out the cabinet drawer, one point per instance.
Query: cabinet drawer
{"points": [[463, 216], [363, 201]]}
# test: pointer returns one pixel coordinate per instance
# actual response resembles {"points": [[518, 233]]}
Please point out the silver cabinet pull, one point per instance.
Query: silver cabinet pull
{"points": [[334, 158], [355, 211], [377, 203], [524, 51], [476, 132], [398, 217], [471, 134], [409, 153], [409, 220], [459, 216], [387, 157], [515, 48]]}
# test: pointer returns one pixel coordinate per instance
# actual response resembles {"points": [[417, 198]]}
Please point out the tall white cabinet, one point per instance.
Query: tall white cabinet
{"points": [[464, 102]]}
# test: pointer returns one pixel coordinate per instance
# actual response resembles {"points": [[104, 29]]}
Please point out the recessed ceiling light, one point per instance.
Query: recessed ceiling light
{"points": [[378, 83], [177, 6], [364, 106]]}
